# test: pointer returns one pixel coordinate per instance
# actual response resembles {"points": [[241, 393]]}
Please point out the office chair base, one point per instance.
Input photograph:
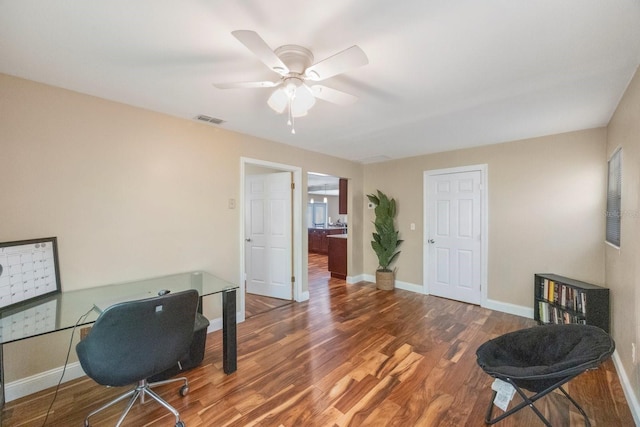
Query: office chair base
{"points": [[144, 389]]}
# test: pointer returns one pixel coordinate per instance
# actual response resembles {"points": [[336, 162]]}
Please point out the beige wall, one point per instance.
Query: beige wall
{"points": [[623, 264], [546, 210], [128, 192]]}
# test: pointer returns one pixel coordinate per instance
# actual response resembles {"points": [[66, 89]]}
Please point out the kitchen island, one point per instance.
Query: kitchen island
{"points": [[338, 255]]}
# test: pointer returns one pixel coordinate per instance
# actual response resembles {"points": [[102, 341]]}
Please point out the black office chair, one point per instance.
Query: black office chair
{"points": [[542, 359], [132, 341]]}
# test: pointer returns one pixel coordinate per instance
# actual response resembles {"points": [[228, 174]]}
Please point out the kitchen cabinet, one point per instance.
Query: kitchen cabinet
{"points": [[338, 256], [318, 242], [315, 241], [342, 196]]}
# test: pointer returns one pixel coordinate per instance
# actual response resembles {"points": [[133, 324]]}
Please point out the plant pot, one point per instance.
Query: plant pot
{"points": [[385, 280]]}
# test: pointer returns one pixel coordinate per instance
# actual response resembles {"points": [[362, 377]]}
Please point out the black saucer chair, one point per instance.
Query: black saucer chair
{"points": [[135, 340], [541, 359]]}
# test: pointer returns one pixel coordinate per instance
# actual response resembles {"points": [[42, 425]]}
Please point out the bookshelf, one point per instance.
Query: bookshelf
{"points": [[559, 299]]}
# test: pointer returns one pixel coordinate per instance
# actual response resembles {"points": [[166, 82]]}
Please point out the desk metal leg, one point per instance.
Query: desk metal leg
{"points": [[229, 332]]}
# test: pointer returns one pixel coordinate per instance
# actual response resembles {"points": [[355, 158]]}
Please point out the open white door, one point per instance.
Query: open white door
{"points": [[268, 229], [453, 209]]}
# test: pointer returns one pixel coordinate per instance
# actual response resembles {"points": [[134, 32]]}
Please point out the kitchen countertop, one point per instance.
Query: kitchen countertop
{"points": [[331, 227]]}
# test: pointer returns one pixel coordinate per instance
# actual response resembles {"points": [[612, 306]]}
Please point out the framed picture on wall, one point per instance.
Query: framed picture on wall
{"points": [[28, 271]]}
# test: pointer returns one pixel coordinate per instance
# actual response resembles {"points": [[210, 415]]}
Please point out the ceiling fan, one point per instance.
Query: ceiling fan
{"points": [[296, 68]]}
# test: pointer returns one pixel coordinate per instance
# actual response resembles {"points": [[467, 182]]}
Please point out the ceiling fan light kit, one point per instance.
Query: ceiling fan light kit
{"points": [[294, 64], [293, 94]]}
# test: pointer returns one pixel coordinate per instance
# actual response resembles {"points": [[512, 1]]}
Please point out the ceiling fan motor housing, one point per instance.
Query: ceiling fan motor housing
{"points": [[296, 58]]}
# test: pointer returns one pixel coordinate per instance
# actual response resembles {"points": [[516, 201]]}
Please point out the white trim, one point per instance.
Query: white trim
{"points": [[505, 307], [297, 226], [484, 225], [405, 286], [43, 380], [419, 289], [627, 388], [355, 279], [304, 296]]}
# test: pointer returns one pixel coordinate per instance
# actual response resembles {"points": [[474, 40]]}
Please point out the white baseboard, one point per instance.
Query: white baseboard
{"points": [[304, 296], [509, 308], [368, 278], [632, 400], [355, 279], [26, 386], [406, 286], [215, 325], [418, 289]]}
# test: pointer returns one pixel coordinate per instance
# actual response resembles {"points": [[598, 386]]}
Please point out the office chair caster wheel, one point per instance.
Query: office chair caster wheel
{"points": [[180, 424], [184, 390]]}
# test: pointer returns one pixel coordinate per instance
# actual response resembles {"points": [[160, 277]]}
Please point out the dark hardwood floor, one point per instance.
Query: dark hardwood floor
{"points": [[350, 356], [258, 304], [318, 276]]}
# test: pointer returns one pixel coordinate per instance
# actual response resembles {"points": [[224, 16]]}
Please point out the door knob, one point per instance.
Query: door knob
{"points": [[248, 240], [431, 241]]}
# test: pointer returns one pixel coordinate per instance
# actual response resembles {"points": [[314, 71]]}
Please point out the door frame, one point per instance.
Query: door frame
{"points": [[296, 219], [484, 225]]}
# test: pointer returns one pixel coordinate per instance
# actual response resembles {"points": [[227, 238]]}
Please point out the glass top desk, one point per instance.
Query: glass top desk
{"points": [[63, 310]]}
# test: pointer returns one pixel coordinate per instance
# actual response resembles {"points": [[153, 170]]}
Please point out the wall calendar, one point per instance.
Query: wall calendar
{"points": [[28, 270]]}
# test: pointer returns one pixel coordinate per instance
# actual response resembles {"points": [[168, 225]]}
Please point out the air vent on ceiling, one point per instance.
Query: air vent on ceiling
{"points": [[374, 159], [209, 119]]}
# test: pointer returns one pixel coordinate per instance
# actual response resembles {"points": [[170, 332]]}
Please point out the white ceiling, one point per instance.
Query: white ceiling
{"points": [[319, 183], [442, 74]]}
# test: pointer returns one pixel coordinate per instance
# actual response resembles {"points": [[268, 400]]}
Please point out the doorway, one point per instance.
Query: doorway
{"points": [[326, 215], [455, 223], [283, 264]]}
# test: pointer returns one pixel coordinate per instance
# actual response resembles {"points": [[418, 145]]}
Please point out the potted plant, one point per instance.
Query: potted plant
{"points": [[385, 239]]}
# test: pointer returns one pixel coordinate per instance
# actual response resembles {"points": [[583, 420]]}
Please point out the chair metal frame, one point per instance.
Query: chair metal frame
{"points": [[144, 389], [529, 400], [543, 375]]}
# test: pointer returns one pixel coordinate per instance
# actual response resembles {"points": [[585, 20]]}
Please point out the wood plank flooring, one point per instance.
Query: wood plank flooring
{"points": [[258, 304], [350, 356], [318, 275]]}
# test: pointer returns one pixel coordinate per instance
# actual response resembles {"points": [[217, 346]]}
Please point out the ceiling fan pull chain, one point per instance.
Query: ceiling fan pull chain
{"points": [[291, 118]]}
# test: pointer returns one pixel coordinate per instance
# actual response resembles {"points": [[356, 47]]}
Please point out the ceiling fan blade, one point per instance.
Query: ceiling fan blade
{"points": [[332, 95], [259, 47], [346, 60], [242, 85]]}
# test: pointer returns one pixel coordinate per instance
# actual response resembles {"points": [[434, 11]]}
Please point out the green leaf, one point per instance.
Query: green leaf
{"points": [[386, 238]]}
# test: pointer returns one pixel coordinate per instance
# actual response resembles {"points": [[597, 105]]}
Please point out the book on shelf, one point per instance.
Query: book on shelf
{"points": [[561, 300], [552, 314], [563, 295]]}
